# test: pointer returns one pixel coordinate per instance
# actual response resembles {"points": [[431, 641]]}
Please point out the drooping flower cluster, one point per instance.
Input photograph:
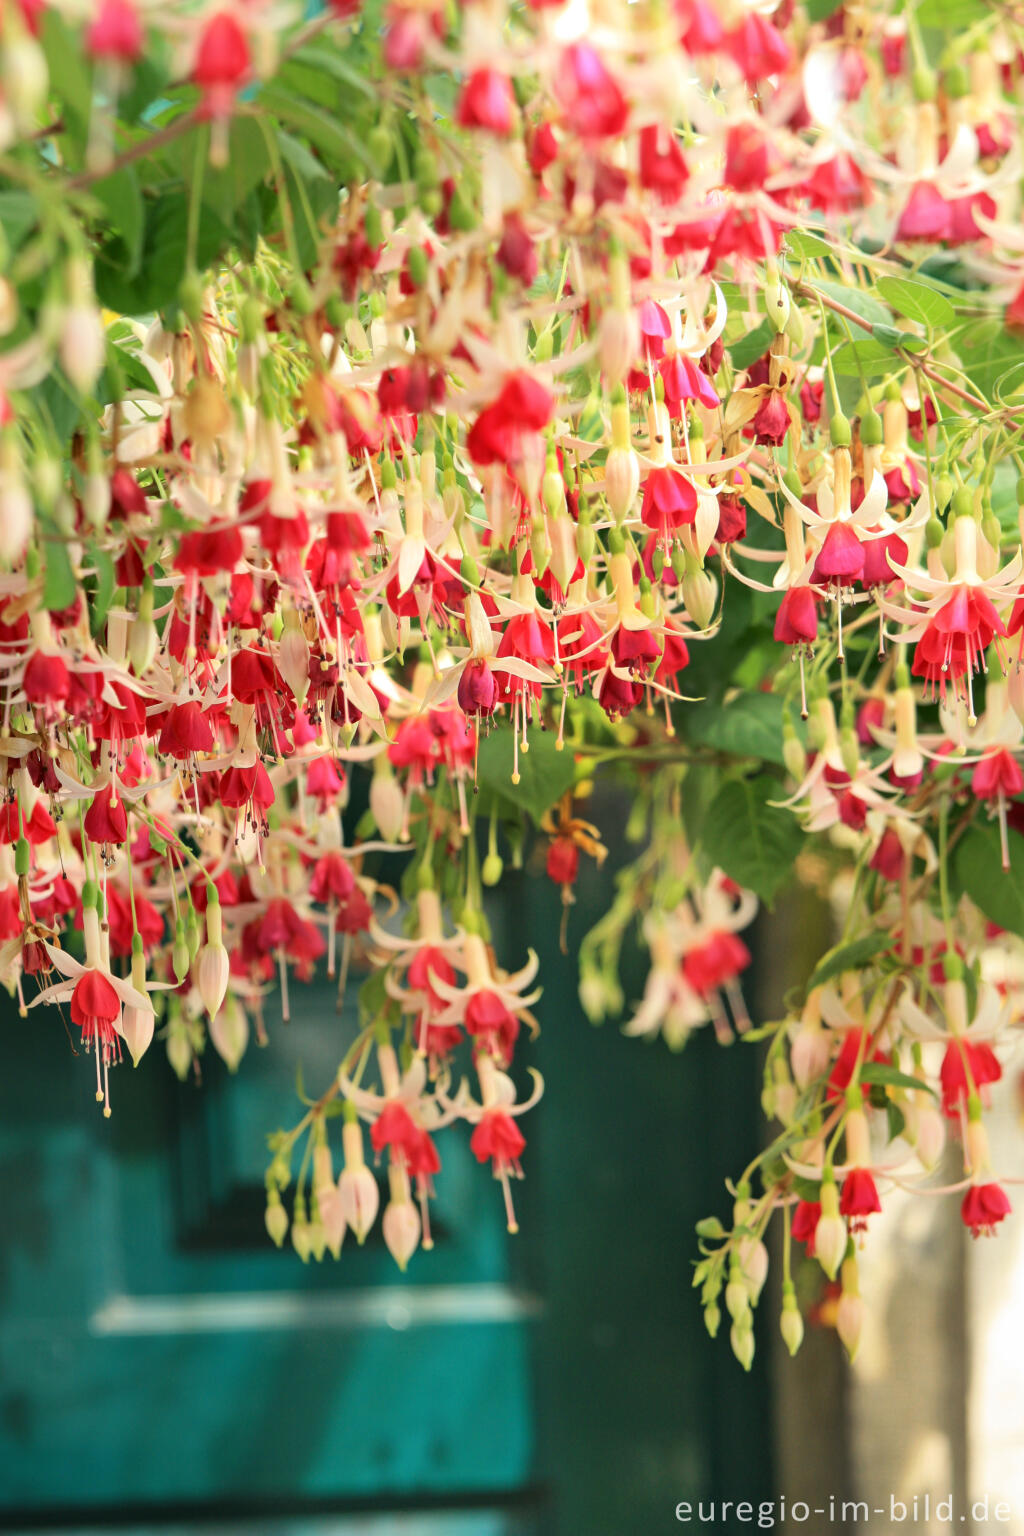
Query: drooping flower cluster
{"points": [[357, 459]]}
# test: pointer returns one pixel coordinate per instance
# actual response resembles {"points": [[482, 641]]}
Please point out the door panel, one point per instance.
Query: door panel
{"points": [[158, 1357]]}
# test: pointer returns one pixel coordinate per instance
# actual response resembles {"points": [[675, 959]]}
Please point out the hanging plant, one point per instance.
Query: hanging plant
{"points": [[441, 409]]}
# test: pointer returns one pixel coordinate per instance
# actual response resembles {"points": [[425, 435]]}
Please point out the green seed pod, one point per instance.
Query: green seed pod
{"points": [[419, 266], [839, 431], [871, 428]]}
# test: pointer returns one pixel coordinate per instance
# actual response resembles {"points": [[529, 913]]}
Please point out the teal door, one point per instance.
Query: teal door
{"points": [[160, 1360]]}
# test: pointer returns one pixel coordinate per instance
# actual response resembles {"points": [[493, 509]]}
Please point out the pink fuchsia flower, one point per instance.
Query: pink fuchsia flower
{"points": [[984, 1206], [592, 100], [487, 101]]}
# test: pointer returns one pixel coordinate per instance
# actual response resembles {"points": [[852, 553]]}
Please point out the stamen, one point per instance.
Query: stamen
{"points": [[510, 1214]]}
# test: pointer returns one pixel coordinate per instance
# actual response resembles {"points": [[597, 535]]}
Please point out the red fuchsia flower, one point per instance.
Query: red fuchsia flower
{"points": [[669, 502], [966, 1063], [247, 788], [591, 99], [522, 408], [853, 1052], [717, 960], [663, 168], [499, 1140], [796, 622], [758, 48], [984, 1207], [491, 1024], [684, 381], [997, 778], [478, 688], [37, 827], [859, 1198], [516, 251], [563, 861], [222, 64], [840, 560], [487, 101], [209, 551], [116, 32], [46, 682], [838, 185], [806, 1215], [186, 730], [772, 419], [106, 820], [96, 1009]]}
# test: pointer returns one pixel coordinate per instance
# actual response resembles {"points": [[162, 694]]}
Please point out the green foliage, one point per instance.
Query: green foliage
{"points": [[754, 841], [544, 773]]}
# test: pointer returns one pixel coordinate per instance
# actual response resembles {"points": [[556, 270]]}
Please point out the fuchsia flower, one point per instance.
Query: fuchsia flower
{"points": [[984, 1206], [487, 101], [116, 32]]}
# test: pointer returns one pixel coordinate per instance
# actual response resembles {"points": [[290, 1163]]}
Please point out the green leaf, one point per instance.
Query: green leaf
{"points": [[862, 304], [880, 1073], [873, 357], [917, 301], [752, 345], [755, 843], [322, 55], [987, 350], [59, 587], [897, 1120], [342, 148], [821, 10], [70, 81], [951, 15], [545, 774], [99, 602], [159, 275], [748, 725], [226, 187], [804, 244], [18, 216], [977, 869], [120, 198], [848, 957]]}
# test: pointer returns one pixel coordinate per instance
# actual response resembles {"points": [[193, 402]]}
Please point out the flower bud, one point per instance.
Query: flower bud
{"points": [[401, 1224], [179, 1050], [301, 1239], [741, 1337], [700, 592], [386, 802], [330, 1216], [358, 1193], [229, 1031], [618, 343], [737, 1296], [622, 481], [16, 514], [83, 345], [929, 1132], [96, 499], [830, 1235], [777, 303], [293, 657], [850, 1312], [791, 1323], [276, 1218], [754, 1267]]}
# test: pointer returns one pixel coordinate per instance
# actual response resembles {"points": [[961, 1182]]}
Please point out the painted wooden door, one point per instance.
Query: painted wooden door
{"points": [[159, 1359]]}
